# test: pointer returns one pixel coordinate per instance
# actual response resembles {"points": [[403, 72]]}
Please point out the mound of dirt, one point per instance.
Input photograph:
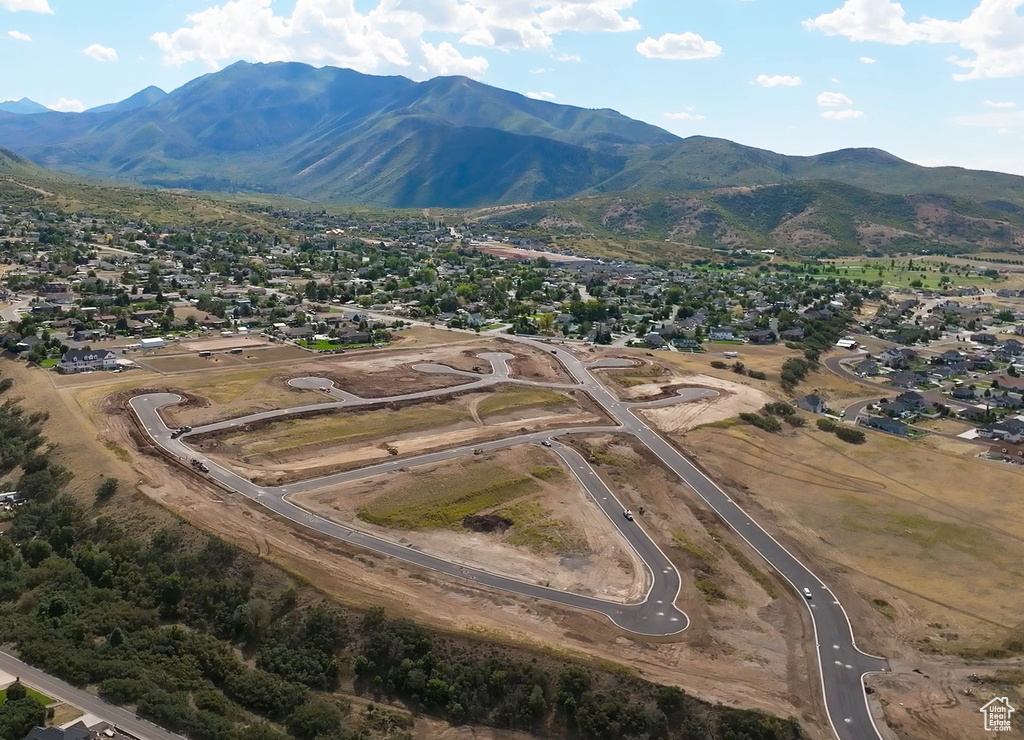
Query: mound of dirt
{"points": [[486, 523]]}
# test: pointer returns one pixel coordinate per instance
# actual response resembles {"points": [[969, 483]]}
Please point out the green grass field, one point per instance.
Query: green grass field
{"points": [[927, 273], [324, 345], [37, 695], [438, 504]]}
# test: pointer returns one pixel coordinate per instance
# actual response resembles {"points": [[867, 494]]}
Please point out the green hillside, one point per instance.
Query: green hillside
{"points": [[332, 135], [812, 218]]}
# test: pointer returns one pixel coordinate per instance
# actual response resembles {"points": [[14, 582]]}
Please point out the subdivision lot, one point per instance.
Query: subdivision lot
{"points": [[295, 448], [516, 511], [187, 363]]}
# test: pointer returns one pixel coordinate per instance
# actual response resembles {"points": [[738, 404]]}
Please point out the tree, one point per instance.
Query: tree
{"points": [[106, 489], [315, 718]]}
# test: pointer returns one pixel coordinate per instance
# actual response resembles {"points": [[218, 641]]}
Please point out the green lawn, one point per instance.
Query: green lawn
{"points": [[37, 695], [323, 345], [48, 363]]}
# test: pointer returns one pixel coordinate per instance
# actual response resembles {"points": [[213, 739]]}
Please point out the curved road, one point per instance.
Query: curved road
{"points": [[843, 665]]}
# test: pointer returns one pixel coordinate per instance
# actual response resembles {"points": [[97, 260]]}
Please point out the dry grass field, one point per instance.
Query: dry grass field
{"points": [[288, 449], [529, 517], [930, 535]]}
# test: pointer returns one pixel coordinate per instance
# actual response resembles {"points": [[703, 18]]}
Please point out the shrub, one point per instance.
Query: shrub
{"points": [[767, 423], [756, 375], [826, 425], [795, 421], [718, 365], [106, 489], [853, 436], [778, 408]]}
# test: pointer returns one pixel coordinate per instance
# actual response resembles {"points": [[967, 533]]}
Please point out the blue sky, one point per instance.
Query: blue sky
{"points": [[933, 81]]}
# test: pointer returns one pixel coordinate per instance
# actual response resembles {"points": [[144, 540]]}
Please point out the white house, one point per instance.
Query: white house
{"points": [[84, 360]]}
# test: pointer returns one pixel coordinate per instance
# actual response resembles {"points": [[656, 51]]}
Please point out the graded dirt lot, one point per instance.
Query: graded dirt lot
{"points": [[528, 517], [303, 447], [657, 371], [216, 345]]}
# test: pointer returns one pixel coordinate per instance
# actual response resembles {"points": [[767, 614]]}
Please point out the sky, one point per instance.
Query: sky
{"points": [[937, 82]]}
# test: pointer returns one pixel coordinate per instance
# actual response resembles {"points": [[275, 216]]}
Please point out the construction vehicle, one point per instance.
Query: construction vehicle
{"points": [[392, 450], [628, 514], [478, 451]]}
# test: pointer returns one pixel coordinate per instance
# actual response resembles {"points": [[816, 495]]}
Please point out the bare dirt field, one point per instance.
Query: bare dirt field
{"points": [[926, 539], [213, 345], [518, 512], [675, 368], [297, 448], [187, 363], [733, 400]]}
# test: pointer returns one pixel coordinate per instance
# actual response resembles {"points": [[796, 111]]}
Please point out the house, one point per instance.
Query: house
{"points": [[298, 332], [762, 337], [984, 338], [913, 400], [964, 394], [655, 340], [87, 360], [792, 335], [353, 336], [813, 404], [897, 358], [896, 410], [77, 731], [889, 426], [949, 357], [1008, 430], [686, 345], [722, 334], [866, 368], [907, 379]]}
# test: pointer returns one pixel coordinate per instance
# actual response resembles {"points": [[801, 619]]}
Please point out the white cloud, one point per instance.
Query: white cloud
{"points": [[867, 60], [1000, 104], [842, 115], [1005, 131], [31, 6], [100, 53], [1005, 119], [19, 36], [540, 95], [778, 81], [685, 116], [833, 100], [679, 46], [389, 35], [568, 58], [541, 70], [67, 105], [993, 33]]}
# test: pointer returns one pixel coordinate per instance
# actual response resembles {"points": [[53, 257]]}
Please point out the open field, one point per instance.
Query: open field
{"points": [[298, 448], [275, 440], [528, 516], [215, 345], [658, 372], [922, 526]]}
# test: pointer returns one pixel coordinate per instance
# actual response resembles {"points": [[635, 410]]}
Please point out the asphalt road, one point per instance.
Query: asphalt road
{"points": [[57, 689], [842, 663]]}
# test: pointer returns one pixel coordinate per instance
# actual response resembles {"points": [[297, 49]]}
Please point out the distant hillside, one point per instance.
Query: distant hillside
{"points": [[22, 107], [813, 218], [140, 99], [333, 135]]}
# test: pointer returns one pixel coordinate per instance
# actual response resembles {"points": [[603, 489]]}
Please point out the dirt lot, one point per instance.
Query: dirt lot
{"points": [[187, 363], [546, 528], [673, 368], [926, 539], [288, 449], [215, 345]]}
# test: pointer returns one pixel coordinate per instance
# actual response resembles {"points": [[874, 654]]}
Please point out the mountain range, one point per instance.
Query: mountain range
{"points": [[24, 106], [335, 135]]}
